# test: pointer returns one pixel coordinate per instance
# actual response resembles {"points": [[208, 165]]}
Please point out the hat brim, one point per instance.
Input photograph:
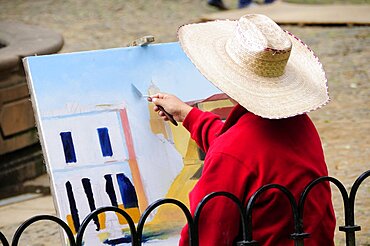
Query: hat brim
{"points": [[302, 87]]}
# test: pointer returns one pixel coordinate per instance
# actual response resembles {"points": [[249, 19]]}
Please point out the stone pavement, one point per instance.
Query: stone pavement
{"points": [[15, 214]]}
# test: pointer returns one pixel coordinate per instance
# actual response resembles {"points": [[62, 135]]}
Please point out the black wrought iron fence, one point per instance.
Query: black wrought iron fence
{"points": [[298, 236]]}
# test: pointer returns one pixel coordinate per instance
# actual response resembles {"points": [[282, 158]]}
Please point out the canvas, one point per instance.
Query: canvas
{"points": [[104, 145]]}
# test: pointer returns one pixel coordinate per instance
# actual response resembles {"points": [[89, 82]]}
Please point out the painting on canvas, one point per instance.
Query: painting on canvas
{"points": [[104, 145]]}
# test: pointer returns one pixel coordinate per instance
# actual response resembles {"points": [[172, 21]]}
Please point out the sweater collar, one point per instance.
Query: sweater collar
{"points": [[235, 114]]}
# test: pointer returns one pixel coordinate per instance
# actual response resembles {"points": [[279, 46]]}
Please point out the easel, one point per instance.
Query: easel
{"points": [[144, 41]]}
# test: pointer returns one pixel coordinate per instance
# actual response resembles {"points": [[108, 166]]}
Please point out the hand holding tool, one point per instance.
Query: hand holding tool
{"points": [[168, 115]]}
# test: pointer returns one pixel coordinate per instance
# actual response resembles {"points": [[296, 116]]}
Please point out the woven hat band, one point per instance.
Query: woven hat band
{"points": [[265, 63]]}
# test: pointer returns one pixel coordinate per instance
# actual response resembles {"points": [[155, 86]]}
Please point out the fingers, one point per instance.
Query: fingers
{"points": [[156, 108], [160, 113], [157, 101], [152, 98], [163, 116], [171, 105], [158, 96]]}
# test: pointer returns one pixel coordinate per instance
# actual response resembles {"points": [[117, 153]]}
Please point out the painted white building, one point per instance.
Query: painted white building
{"points": [[93, 142]]}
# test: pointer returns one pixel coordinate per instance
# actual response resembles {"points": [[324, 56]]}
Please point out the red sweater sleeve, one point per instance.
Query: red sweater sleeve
{"points": [[203, 127], [219, 220]]}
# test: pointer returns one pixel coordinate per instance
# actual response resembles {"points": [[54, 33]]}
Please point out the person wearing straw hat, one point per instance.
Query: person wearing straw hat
{"points": [[275, 79]]}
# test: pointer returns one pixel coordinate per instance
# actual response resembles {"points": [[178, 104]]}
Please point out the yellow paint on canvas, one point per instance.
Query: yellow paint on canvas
{"points": [[211, 105], [70, 224], [103, 236], [192, 154], [133, 212], [101, 218], [180, 137], [121, 219], [182, 185], [171, 215], [169, 218], [157, 125], [187, 147]]}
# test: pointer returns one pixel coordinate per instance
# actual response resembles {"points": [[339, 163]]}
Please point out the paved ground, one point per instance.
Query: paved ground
{"points": [[344, 124], [293, 13]]}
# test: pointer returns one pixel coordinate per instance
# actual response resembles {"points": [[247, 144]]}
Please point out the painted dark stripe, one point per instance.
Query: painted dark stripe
{"points": [[114, 242], [147, 236], [90, 198], [73, 206], [105, 145], [68, 147], [109, 188], [128, 193]]}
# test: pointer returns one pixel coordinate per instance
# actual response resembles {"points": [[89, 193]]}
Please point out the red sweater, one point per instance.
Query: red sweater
{"points": [[247, 152]]}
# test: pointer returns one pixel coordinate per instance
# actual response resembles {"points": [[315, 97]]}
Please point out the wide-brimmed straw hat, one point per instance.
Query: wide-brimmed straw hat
{"points": [[265, 69]]}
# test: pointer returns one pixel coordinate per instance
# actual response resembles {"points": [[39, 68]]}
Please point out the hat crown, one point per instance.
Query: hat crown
{"points": [[260, 32], [260, 45]]}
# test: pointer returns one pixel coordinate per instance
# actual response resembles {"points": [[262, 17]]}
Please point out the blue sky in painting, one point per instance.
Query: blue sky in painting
{"points": [[105, 76]]}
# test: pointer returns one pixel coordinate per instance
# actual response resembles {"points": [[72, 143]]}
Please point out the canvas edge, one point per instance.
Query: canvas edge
{"points": [[36, 112], [106, 49]]}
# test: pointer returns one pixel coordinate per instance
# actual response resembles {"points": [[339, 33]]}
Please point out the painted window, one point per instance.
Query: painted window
{"points": [[127, 190], [105, 145], [69, 149]]}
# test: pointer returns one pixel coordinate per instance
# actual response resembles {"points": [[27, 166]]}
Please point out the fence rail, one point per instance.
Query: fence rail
{"points": [[298, 236]]}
